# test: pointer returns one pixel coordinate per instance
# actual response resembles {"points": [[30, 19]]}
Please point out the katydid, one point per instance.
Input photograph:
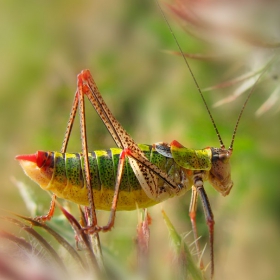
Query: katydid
{"points": [[131, 175]]}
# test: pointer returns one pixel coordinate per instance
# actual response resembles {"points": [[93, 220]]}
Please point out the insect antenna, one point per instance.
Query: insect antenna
{"points": [[244, 105], [239, 117], [192, 74]]}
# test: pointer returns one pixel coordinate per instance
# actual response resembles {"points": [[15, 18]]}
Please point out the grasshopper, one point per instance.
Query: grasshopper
{"points": [[131, 176]]}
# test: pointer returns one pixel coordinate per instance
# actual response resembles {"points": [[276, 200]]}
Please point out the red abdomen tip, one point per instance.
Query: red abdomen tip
{"points": [[40, 158], [32, 158]]}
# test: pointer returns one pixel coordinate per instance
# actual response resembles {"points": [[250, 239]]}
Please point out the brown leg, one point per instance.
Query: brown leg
{"points": [[63, 150], [70, 123], [81, 91], [50, 212], [111, 220], [140, 164], [192, 214], [209, 219]]}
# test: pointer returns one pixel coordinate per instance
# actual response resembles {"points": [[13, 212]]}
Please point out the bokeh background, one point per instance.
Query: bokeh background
{"points": [[45, 44]]}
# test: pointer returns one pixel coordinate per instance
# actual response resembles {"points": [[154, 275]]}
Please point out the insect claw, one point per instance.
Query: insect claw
{"points": [[49, 215], [90, 229], [96, 228], [42, 219]]}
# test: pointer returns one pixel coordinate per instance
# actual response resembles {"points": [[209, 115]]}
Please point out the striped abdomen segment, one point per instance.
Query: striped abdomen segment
{"points": [[67, 180]]}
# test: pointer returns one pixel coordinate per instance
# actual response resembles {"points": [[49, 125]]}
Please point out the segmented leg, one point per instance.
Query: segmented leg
{"points": [[50, 213], [144, 170], [85, 151], [111, 220], [70, 122], [125, 153], [192, 214], [208, 216], [63, 150], [79, 103]]}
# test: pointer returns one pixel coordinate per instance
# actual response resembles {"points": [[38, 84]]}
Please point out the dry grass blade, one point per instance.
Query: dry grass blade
{"points": [[91, 267], [95, 262], [246, 85], [269, 103], [62, 241], [19, 241], [43, 242], [193, 15], [199, 56], [233, 81]]}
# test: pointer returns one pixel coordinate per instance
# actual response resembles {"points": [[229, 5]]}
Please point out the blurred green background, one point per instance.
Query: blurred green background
{"points": [[45, 44]]}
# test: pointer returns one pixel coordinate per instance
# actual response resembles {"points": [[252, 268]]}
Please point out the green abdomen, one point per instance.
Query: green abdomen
{"points": [[68, 178]]}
